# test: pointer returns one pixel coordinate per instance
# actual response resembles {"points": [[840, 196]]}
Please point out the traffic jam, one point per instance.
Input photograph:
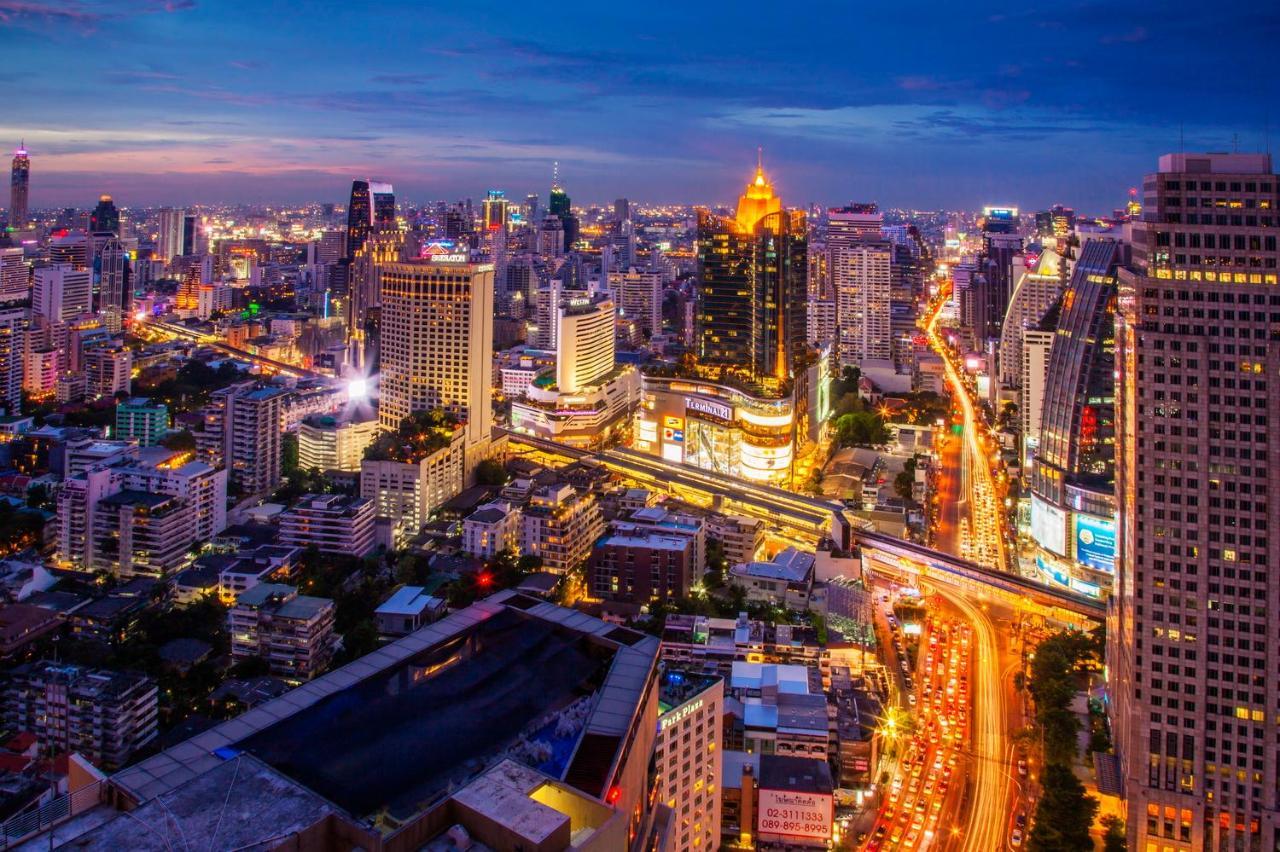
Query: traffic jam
{"points": [[928, 779]]}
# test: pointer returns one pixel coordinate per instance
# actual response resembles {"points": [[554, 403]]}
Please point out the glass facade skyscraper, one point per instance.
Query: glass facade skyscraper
{"points": [[752, 289], [1073, 472], [371, 204]]}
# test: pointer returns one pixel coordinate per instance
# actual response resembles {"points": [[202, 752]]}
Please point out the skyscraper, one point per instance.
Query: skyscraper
{"points": [[62, 292], [751, 280], [15, 285], [560, 207], [105, 218], [1073, 470], [1192, 630], [437, 341], [19, 186], [115, 292], [170, 239], [371, 204], [860, 263]]}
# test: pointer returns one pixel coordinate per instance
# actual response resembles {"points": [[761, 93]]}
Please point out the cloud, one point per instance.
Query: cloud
{"points": [[404, 79], [83, 14]]}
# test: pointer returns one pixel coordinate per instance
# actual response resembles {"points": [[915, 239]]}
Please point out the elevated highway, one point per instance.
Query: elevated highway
{"points": [[807, 516], [909, 561], [813, 517], [176, 330]]}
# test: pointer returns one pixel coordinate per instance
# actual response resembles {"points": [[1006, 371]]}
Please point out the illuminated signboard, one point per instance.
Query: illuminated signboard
{"points": [[673, 422], [679, 713], [786, 813], [1048, 526], [449, 258], [673, 436], [718, 410], [1095, 542]]}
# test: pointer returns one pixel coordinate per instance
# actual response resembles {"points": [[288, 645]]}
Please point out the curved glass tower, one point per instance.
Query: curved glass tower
{"points": [[1073, 473]]}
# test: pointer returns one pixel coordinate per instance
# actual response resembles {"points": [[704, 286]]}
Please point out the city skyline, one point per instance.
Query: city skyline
{"points": [[120, 99]]}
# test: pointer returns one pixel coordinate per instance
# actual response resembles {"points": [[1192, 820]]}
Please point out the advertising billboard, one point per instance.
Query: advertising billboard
{"points": [[787, 813], [1095, 542], [1048, 526]]}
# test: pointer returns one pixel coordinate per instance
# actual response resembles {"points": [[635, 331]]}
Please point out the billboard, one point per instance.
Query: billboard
{"points": [[787, 813], [1095, 542], [1048, 526]]}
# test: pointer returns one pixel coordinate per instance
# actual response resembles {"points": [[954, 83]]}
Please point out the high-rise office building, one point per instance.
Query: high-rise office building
{"points": [[437, 341], [752, 284], [19, 186], [860, 265], [175, 234], [15, 284], [61, 292], [14, 323], [105, 218], [383, 245], [1192, 628], [371, 204], [622, 210], [1038, 282], [639, 297], [1073, 470], [992, 286], [115, 291]]}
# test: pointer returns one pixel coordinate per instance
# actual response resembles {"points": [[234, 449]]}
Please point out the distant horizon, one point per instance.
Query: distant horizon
{"points": [[172, 103]]}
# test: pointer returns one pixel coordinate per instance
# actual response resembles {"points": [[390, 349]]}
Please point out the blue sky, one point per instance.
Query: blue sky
{"points": [[923, 104]]}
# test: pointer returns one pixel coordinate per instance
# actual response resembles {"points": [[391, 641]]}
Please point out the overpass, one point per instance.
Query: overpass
{"points": [[813, 517], [916, 560], [809, 516], [177, 330]]}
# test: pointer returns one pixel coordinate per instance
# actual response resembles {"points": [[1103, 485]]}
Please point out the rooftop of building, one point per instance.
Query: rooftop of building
{"points": [[649, 541], [791, 565], [798, 774], [265, 593], [392, 733], [760, 676], [141, 402], [333, 504], [408, 600], [138, 499], [676, 686], [87, 682]]}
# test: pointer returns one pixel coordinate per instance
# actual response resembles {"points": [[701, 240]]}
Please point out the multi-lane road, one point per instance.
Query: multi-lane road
{"points": [[986, 514]]}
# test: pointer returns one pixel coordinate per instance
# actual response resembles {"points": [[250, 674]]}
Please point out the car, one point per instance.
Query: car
{"points": [[911, 699], [1015, 839], [1022, 767], [1021, 819], [880, 831], [896, 837]]}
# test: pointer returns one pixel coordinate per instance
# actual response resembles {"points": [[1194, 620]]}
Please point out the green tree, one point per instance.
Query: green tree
{"points": [[861, 429], [288, 453], [491, 472], [180, 441], [1064, 814], [1115, 839]]}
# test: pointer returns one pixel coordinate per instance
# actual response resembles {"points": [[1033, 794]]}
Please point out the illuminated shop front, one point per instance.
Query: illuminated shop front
{"points": [[717, 427]]}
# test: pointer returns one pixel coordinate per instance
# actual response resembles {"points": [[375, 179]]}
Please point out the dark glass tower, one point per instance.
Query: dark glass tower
{"points": [[559, 206], [19, 181], [105, 218], [359, 216], [752, 272]]}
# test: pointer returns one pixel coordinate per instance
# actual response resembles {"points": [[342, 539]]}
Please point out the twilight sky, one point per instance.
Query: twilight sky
{"points": [[922, 104]]}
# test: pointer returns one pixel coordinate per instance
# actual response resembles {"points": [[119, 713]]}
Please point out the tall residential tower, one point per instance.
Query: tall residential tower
{"points": [[1194, 643]]}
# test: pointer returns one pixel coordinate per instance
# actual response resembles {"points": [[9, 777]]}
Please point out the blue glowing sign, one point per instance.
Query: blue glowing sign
{"points": [[1096, 542]]}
